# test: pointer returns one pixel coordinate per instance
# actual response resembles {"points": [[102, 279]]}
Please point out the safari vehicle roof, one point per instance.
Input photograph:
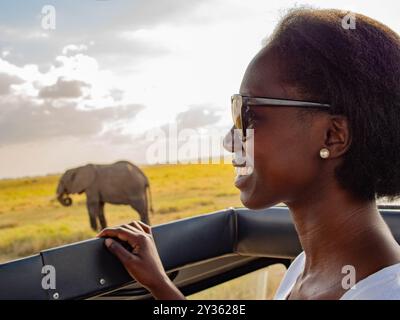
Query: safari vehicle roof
{"points": [[197, 252]]}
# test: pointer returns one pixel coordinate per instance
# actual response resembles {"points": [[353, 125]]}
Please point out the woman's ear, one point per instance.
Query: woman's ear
{"points": [[338, 136]]}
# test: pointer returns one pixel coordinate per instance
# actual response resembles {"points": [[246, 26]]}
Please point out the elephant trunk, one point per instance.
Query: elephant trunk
{"points": [[64, 200], [62, 196]]}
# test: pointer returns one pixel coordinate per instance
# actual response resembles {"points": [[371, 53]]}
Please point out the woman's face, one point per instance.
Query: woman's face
{"points": [[286, 162]]}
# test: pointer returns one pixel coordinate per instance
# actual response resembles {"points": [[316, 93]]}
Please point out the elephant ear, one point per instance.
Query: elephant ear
{"points": [[82, 178]]}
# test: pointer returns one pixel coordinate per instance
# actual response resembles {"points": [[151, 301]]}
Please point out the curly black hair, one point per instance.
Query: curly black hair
{"points": [[356, 70]]}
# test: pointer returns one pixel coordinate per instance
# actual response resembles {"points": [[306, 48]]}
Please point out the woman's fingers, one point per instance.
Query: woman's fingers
{"points": [[123, 234], [145, 227], [136, 225], [130, 228], [142, 262], [119, 251]]}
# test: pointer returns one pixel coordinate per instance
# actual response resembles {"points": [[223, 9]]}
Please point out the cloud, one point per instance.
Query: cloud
{"points": [[197, 116], [22, 120], [150, 13], [73, 49], [6, 80], [63, 89], [98, 21], [73, 99], [117, 137], [116, 94], [125, 54]]}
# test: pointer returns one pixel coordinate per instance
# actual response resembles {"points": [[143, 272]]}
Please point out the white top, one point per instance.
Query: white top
{"points": [[381, 285]]}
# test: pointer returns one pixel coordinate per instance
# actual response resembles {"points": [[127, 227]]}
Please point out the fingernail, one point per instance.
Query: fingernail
{"points": [[108, 242]]}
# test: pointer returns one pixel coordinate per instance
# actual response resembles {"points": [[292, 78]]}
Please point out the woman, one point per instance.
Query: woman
{"points": [[327, 146]]}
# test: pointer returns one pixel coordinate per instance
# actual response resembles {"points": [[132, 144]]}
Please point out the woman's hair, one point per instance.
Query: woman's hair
{"points": [[356, 70]]}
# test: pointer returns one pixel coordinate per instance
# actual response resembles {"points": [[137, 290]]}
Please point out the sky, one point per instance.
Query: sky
{"points": [[104, 80]]}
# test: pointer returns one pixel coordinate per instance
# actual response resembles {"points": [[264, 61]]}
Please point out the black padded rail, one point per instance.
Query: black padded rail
{"points": [[267, 233], [22, 279], [86, 269], [195, 239]]}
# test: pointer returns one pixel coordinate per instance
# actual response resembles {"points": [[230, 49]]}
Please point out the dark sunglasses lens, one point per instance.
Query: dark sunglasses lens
{"points": [[245, 116], [236, 105]]}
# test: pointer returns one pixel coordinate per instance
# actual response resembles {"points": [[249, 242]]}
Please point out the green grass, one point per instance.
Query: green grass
{"points": [[31, 219]]}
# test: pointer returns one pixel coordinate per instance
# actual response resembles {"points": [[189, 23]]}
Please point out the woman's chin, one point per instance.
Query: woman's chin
{"points": [[253, 203], [249, 202]]}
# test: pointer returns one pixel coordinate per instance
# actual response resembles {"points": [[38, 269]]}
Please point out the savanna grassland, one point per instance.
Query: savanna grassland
{"points": [[31, 219]]}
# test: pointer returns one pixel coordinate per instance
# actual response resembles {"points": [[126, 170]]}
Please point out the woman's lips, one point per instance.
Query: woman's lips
{"points": [[242, 175]]}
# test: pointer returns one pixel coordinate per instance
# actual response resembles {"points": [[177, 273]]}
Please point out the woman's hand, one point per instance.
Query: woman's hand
{"points": [[143, 262]]}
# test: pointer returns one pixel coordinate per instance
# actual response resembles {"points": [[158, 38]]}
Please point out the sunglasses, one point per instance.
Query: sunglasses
{"points": [[241, 105]]}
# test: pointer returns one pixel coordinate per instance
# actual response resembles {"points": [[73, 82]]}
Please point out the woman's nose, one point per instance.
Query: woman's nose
{"points": [[232, 141]]}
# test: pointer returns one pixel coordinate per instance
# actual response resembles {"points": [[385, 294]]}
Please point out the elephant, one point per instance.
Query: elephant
{"points": [[118, 183]]}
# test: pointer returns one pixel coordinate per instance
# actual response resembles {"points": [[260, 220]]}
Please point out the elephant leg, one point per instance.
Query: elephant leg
{"points": [[141, 207], [102, 218], [93, 210]]}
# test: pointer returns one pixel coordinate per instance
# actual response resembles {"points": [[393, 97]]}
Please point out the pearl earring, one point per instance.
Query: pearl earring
{"points": [[324, 153]]}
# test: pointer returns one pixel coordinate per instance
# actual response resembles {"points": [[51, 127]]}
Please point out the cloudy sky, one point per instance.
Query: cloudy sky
{"points": [[114, 71]]}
